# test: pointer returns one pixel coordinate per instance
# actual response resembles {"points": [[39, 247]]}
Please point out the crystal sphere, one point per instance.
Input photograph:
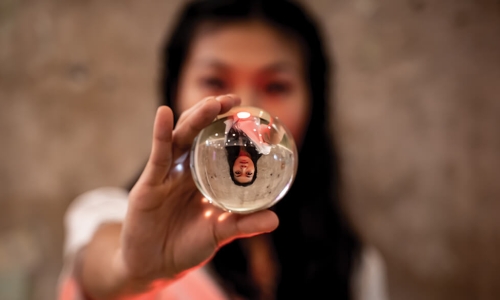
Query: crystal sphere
{"points": [[244, 161]]}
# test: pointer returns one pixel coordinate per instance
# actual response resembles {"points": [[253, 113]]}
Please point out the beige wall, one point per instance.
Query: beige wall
{"points": [[419, 121], [417, 114]]}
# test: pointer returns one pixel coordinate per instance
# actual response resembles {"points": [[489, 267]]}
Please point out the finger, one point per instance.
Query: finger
{"points": [[226, 101], [257, 223], [160, 158], [198, 119], [190, 110], [239, 226]]}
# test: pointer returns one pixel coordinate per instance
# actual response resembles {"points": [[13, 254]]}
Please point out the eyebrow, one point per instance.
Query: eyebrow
{"points": [[211, 63], [279, 66], [274, 67]]}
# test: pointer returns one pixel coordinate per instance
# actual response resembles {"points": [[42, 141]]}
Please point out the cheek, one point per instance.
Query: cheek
{"points": [[296, 121], [186, 97], [189, 93], [294, 115]]}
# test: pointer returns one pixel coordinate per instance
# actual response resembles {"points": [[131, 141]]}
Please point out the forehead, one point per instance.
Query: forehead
{"points": [[246, 45]]}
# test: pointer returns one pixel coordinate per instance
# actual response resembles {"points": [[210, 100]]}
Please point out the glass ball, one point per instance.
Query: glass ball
{"points": [[245, 161]]}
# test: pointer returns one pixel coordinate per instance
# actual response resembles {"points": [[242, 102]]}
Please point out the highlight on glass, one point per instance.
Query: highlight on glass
{"points": [[245, 161]]}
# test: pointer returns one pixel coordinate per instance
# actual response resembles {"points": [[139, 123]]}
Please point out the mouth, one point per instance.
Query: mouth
{"points": [[243, 161]]}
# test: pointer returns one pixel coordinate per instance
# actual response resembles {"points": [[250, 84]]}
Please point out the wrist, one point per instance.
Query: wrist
{"points": [[102, 272], [126, 285]]}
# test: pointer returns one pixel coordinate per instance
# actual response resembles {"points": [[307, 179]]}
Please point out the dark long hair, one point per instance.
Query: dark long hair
{"points": [[234, 151], [315, 247]]}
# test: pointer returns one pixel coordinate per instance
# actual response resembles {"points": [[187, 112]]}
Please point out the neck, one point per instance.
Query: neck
{"points": [[243, 152]]}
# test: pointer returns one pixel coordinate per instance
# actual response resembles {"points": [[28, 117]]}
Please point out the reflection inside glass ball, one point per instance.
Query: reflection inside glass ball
{"points": [[245, 161]]}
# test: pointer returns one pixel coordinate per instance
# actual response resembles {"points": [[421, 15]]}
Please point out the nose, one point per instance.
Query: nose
{"points": [[248, 96]]}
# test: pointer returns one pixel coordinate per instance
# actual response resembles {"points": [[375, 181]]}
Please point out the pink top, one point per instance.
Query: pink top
{"points": [[251, 127], [109, 204]]}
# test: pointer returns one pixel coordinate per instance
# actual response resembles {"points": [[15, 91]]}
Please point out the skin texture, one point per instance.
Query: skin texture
{"points": [[168, 228], [265, 69], [255, 62]]}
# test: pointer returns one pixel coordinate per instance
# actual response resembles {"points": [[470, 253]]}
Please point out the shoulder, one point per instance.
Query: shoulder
{"points": [[106, 201], [88, 211], [99, 197], [82, 218]]}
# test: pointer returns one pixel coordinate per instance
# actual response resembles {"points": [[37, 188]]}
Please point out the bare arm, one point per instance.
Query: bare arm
{"points": [[167, 229], [96, 265]]}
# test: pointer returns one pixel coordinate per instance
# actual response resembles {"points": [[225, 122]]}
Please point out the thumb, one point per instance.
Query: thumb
{"points": [[235, 226]]}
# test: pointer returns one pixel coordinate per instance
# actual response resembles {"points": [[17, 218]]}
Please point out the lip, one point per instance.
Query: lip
{"points": [[243, 161]]}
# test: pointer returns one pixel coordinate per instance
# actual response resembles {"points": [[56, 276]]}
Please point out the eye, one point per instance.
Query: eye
{"points": [[237, 173], [214, 83], [277, 87], [249, 174]]}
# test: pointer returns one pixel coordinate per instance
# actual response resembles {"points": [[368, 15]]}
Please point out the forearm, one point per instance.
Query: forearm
{"points": [[100, 273]]}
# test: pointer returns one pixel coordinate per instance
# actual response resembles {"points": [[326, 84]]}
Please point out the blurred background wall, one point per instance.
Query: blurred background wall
{"points": [[417, 116]]}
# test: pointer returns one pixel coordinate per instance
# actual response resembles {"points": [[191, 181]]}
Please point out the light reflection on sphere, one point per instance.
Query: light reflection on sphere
{"points": [[245, 161]]}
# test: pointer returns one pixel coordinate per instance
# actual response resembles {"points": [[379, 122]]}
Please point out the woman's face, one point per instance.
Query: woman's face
{"points": [[243, 169], [254, 61]]}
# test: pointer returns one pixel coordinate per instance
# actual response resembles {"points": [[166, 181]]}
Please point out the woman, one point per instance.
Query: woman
{"points": [[242, 157], [269, 54], [246, 141]]}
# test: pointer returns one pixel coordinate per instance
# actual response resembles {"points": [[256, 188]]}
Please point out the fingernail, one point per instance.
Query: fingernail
{"points": [[219, 98]]}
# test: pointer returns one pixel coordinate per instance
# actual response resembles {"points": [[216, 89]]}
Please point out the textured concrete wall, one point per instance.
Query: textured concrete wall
{"points": [[417, 115], [77, 98]]}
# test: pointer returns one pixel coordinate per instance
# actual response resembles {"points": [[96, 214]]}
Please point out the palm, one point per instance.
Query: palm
{"points": [[168, 228]]}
